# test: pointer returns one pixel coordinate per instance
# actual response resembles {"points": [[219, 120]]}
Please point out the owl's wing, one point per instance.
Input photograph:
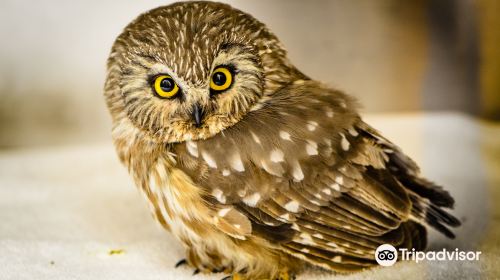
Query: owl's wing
{"points": [[304, 172]]}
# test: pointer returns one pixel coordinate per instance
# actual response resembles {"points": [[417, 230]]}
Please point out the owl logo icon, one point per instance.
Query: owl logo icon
{"points": [[386, 255]]}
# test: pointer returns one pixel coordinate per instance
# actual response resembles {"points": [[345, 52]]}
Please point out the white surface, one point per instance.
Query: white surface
{"points": [[62, 209]]}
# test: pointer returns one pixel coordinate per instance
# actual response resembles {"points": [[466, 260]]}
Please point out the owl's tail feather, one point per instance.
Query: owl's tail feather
{"points": [[428, 199], [429, 213]]}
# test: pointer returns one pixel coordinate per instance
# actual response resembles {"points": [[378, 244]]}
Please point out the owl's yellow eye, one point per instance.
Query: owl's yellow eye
{"points": [[221, 79], [165, 86]]}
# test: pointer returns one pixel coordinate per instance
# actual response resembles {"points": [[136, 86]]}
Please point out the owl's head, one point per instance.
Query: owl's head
{"points": [[189, 70]]}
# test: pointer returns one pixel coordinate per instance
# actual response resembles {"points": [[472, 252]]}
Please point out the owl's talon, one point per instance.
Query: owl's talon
{"points": [[181, 262], [196, 271]]}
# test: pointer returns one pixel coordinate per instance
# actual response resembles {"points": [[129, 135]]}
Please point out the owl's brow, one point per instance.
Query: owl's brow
{"points": [[227, 46], [144, 64], [139, 63], [142, 58]]}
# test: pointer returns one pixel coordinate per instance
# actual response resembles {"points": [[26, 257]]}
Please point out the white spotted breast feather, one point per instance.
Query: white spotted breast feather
{"points": [[314, 180]]}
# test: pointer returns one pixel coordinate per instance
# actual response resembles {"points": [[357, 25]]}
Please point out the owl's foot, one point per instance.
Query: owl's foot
{"points": [[204, 269], [184, 262], [181, 263]]}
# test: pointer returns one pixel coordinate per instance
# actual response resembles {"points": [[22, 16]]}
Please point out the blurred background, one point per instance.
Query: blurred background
{"points": [[394, 56]]}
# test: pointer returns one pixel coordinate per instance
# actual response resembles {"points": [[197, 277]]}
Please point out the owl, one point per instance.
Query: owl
{"points": [[258, 170]]}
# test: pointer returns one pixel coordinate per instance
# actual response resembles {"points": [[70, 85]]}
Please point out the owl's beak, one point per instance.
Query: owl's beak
{"points": [[197, 114]]}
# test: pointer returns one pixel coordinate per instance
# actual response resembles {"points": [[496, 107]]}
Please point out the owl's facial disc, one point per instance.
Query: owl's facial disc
{"points": [[191, 70], [173, 105]]}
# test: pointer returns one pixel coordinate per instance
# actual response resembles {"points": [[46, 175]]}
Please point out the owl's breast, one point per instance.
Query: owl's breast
{"points": [[177, 203]]}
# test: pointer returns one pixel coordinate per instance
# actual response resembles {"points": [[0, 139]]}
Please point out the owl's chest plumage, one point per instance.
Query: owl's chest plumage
{"points": [[177, 203], [173, 199], [174, 210]]}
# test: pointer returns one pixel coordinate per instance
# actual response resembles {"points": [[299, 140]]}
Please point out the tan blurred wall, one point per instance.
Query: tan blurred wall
{"points": [[375, 50], [53, 59], [489, 23]]}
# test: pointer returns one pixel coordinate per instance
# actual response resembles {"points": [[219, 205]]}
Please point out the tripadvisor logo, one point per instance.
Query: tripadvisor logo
{"points": [[387, 255]]}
